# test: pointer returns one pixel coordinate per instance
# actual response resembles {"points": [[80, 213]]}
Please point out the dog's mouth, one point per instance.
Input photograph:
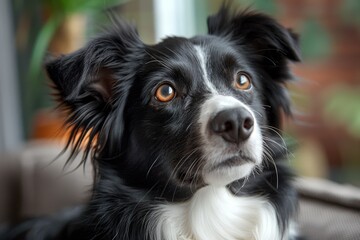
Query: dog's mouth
{"points": [[232, 162]]}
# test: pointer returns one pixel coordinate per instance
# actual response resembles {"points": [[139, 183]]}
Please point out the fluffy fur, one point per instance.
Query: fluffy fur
{"points": [[176, 170]]}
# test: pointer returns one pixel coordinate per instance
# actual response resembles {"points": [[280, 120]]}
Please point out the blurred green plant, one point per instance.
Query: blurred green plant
{"points": [[343, 106], [59, 10], [315, 41], [343, 103], [206, 7], [350, 10], [37, 23], [270, 7]]}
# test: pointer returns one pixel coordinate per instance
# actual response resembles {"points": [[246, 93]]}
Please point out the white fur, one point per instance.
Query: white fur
{"points": [[202, 59], [215, 148], [213, 213]]}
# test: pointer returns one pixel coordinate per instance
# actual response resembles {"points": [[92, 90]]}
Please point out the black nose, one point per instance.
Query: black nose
{"points": [[233, 125]]}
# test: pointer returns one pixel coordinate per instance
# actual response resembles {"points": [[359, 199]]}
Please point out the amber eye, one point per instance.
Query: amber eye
{"points": [[165, 93], [242, 81]]}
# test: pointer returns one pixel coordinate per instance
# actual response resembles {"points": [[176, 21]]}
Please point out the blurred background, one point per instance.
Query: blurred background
{"points": [[326, 124]]}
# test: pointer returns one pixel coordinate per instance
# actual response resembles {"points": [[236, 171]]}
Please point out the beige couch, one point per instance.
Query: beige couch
{"points": [[34, 181]]}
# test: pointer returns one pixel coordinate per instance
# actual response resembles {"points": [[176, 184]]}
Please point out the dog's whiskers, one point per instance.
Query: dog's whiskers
{"points": [[188, 172], [196, 174], [179, 164], [152, 165], [257, 112], [271, 160], [188, 127]]}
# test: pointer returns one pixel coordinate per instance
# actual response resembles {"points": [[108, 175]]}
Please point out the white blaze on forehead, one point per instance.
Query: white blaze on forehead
{"points": [[201, 54]]}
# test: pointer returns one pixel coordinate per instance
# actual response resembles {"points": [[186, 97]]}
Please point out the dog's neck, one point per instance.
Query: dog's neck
{"points": [[214, 213]]}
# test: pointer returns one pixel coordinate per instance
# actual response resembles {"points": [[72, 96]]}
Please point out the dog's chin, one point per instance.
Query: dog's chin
{"points": [[224, 173]]}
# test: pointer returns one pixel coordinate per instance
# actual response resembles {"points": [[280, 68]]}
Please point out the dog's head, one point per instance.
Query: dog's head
{"points": [[182, 112]]}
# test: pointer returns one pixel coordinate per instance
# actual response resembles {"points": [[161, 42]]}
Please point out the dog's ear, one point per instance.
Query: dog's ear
{"points": [[94, 81], [268, 45], [260, 31]]}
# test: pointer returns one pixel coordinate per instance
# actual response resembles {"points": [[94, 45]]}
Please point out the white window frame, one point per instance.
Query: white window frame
{"points": [[174, 18], [10, 121]]}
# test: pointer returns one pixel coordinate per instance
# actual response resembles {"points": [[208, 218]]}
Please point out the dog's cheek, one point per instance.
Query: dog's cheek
{"points": [[186, 145]]}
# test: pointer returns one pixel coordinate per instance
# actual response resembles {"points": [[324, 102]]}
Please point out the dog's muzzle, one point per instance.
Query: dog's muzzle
{"points": [[232, 140]]}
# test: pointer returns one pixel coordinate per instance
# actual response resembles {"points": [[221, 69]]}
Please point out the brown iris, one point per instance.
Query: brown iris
{"points": [[242, 81], [165, 93]]}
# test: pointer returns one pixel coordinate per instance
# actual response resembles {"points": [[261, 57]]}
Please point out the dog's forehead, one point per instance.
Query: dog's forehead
{"points": [[173, 50], [206, 46], [197, 58]]}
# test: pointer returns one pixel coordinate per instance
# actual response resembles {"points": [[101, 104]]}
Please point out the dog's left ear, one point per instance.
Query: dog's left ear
{"points": [[93, 84], [268, 45]]}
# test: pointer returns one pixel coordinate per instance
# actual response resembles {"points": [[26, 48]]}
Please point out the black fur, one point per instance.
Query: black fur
{"points": [[136, 142]]}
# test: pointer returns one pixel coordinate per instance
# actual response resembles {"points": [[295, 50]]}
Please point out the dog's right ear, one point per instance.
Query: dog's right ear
{"points": [[94, 81]]}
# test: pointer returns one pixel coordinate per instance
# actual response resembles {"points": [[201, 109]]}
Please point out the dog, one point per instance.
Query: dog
{"points": [[184, 135]]}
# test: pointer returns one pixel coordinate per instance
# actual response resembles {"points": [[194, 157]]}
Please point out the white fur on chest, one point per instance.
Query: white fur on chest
{"points": [[213, 213]]}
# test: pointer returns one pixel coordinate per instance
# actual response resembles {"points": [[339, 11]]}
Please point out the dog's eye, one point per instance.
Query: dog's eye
{"points": [[242, 81], [165, 93]]}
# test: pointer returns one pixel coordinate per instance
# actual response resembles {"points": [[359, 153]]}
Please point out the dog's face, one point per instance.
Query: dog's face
{"points": [[199, 107], [185, 111]]}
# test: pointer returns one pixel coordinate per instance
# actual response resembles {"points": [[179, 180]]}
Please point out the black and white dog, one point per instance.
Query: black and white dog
{"points": [[183, 134]]}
